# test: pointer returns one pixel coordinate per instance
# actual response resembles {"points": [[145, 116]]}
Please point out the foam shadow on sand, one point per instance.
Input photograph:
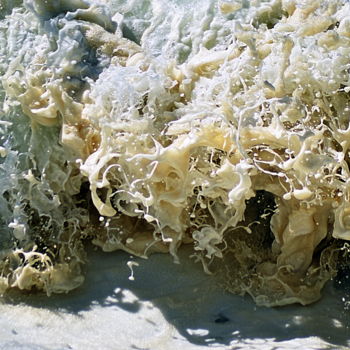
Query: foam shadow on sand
{"points": [[195, 304]]}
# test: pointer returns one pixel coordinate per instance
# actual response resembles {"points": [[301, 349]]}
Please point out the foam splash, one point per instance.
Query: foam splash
{"points": [[142, 130]]}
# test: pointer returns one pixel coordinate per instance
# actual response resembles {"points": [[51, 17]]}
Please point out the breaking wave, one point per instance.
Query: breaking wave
{"points": [[145, 125]]}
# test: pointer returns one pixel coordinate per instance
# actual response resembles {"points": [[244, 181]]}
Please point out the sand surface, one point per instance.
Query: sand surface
{"points": [[167, 306]]}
